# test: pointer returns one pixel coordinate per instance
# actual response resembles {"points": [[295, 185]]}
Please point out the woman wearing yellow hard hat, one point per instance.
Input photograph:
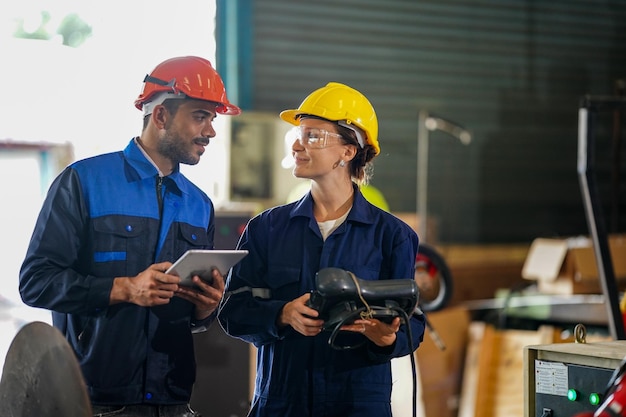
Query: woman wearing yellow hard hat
{"points": [[299, 373]]}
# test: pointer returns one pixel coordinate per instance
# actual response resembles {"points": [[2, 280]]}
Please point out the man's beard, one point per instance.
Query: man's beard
{"points": [[172, 147]]}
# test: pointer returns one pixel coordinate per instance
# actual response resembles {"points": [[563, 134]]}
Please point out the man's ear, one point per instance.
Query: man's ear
{"points": [[159, 116]]}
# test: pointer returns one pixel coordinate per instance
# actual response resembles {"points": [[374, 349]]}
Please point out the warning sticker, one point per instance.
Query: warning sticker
{"points": [[551, 378]]}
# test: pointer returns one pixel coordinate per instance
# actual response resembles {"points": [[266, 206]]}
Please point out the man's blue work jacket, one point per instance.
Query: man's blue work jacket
{"points": [[101, 220], [303, 376]]}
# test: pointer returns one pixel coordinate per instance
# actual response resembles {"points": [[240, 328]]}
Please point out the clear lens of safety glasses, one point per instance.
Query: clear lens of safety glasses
{"points": [[312, 137]]}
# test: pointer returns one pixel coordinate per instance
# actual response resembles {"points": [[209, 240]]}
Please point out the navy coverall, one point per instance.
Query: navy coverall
{"points": [[303, 376]]}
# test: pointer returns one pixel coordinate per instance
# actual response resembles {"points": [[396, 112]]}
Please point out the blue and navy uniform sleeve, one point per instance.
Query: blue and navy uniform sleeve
{"points": [[49, 276]]}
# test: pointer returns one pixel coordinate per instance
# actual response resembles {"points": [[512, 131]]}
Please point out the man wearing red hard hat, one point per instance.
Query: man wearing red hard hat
{"points": [[110, 227]]}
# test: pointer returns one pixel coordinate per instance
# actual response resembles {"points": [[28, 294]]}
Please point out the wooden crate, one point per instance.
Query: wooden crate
{"points": [[495, 372], [493, 379]]}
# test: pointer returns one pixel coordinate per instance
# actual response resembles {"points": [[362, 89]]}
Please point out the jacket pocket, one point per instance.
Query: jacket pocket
{"points": [[284, 281], [117, 241], [193, 235], [189, 237]]}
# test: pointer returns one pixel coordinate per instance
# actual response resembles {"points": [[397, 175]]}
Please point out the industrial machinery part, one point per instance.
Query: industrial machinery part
{"points": [[433, 278], [41, 376], [569, 379]]}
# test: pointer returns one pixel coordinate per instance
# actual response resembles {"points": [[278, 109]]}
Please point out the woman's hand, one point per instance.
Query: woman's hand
{"points": [[380, 333], [301, 317]]}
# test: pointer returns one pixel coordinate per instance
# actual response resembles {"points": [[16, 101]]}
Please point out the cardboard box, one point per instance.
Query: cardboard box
{"points": [[568, 266]]}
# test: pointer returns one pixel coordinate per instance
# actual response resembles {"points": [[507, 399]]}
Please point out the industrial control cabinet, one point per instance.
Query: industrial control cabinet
{"points": [[564, 379]]}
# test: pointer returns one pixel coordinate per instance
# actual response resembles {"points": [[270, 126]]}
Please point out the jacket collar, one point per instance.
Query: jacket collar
{"points": [[146, 169], [361, 208]]}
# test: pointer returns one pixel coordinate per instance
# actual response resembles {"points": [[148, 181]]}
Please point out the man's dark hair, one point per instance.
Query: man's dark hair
{"points": [[171, 105]]}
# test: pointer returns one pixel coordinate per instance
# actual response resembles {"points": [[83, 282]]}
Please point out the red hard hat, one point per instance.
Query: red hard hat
{"points": [[191, 75]]}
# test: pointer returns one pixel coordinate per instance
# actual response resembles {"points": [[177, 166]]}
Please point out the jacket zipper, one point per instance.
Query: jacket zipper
{"points": [[159, 191]]}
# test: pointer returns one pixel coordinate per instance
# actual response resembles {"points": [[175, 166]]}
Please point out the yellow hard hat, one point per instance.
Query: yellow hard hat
{"points": [[343, 104]]}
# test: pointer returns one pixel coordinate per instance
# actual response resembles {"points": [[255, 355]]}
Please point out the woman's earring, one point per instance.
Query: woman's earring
{"points": [[342, 163]]}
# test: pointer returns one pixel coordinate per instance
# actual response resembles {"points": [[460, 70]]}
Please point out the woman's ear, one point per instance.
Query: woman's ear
{"points": [[349, 152]]}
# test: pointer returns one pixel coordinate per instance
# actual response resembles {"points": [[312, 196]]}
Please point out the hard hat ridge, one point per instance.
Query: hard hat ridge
{"points": [[192, 76]]}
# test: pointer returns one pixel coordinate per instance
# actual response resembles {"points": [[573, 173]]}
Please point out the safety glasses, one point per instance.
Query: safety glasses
{"points": [[312, 137]]}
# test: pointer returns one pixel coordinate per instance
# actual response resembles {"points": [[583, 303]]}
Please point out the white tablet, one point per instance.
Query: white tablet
{"points": [[201, 261]]}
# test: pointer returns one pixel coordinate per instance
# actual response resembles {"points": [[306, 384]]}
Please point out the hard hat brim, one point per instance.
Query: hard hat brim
{"points": [[290, 116], [228, 109]]}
